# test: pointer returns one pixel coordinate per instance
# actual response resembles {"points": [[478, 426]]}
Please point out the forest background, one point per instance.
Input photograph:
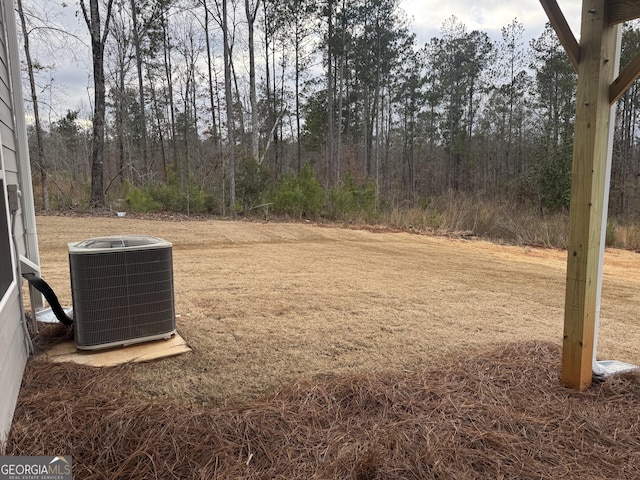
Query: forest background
{"points": [[317, 110]]}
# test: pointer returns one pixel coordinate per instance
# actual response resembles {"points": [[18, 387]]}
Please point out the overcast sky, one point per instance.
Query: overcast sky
{"points": [[427, 17], [486, 15]]}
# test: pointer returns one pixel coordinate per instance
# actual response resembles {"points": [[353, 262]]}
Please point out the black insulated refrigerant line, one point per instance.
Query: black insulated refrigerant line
{"points": [[44, 288]]}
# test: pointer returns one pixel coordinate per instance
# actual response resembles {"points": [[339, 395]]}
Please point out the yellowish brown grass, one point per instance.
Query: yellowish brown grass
{"points": [[264, 304]]}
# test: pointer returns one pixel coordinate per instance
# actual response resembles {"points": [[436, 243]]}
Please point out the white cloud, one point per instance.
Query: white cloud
{"points": [[486, 15]]}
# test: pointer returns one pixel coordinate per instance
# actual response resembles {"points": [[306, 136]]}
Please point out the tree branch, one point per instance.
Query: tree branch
{"points": [[266, 148], [86, 15], [107, 20]]}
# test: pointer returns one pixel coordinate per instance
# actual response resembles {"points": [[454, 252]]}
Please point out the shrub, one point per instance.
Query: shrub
{"points": [[141, 200], [553, 175], [252, 181], [172, 196], [298, 196], [350, 201]]}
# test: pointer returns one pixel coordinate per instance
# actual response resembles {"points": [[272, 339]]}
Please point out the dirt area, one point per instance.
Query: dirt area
{"points": [[264, 304]]}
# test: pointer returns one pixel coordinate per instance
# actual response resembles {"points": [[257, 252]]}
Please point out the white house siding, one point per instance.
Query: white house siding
{"points": [[7, 120], [13, 356], [16, 171]]}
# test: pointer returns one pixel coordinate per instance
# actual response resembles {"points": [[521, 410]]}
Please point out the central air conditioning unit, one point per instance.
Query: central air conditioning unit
{"points": [[122, 289]]}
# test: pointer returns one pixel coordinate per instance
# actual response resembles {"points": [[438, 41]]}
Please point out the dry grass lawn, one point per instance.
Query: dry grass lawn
{"points": [[264, 304], [342, 354]]}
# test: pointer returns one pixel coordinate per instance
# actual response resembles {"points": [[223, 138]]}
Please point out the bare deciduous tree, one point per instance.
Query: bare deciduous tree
{"points": [[98, 32], [40, 159]]}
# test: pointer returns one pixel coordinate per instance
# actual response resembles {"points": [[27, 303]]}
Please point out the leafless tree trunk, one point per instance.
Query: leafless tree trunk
{"points": [[297, 42], [343, 57], [40, 159], [210, 67], [168, 73], [251, 11], [229, 105], [121, 52], [98, 37], [330, 97], [240, 117], [156, 109], [142, 119], [267, 41]]}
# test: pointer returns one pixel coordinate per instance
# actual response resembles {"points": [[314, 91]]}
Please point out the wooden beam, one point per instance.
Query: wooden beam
{"points": [[591, 143], [624, 80], [565, 35], [619, 11]]}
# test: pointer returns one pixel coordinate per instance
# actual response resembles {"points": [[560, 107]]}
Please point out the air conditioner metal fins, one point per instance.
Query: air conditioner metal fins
{"points": [[122, 291]]}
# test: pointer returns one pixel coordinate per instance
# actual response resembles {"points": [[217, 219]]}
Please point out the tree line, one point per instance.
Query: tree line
{"points": [[222, 106]]}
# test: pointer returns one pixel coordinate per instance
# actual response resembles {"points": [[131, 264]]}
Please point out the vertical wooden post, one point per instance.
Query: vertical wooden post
{"points": [[596, 70]]}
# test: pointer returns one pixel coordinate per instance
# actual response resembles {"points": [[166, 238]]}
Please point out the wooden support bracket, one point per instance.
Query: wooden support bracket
{"points": [[624, 80], [565, 35]]}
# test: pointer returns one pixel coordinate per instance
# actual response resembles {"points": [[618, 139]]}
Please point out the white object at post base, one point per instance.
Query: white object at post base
{"points": [[607, 368]]}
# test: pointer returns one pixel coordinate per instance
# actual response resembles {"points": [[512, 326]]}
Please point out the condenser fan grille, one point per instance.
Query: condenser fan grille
{"points": [[122, 295]]}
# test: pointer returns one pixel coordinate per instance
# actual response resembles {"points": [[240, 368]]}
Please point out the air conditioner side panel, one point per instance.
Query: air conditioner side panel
{"points": [[123, 296]]}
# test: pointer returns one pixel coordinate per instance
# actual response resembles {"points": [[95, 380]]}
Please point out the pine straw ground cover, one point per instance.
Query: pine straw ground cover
{"points": [[501, 413]]}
